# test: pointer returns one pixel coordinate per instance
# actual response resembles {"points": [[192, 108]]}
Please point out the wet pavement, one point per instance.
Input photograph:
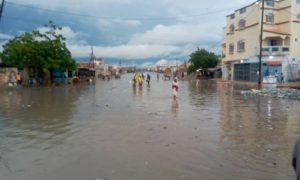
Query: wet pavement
{"points": [[113, 131]]}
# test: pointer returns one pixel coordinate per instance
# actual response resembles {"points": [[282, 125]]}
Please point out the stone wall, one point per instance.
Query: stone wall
{"points": [[4, 75]]}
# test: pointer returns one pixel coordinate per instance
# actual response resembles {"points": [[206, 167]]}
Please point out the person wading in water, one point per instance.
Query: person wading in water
{"points": [[148, 79], [175, 87]]}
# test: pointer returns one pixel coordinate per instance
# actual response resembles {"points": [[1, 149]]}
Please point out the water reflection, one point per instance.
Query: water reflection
{"points": [[255, 129], [134, 90], [31, 114], [140, 90], [201, 93], [121, 132], [174, 106]]}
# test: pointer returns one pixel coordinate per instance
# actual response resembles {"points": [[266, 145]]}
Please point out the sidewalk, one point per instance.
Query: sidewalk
{"points": [[293, 85]]}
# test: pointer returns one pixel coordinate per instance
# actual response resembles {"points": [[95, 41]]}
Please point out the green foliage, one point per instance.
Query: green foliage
{"points": [[45, 51], [191, 68], [202, 59]]}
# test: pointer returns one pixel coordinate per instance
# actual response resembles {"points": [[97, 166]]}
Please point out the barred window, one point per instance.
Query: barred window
{"points": [[231, 28], [270, 18], [243, 10], [242, 23], [241, 46], [231, 48], [270, 3]]}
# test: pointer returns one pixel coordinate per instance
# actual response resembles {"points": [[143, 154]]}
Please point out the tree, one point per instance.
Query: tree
{"points": [[202, 59], [43, 51]]}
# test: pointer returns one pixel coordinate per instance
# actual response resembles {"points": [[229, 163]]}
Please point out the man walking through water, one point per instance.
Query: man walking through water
{"points": [[175, 87], [148, 79]]}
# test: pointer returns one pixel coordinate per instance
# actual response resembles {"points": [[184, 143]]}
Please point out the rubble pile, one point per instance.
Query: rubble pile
{"points": [[274, 93]]}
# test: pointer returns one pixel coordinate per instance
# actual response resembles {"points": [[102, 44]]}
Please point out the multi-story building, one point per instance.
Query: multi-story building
{"points": [[281, 38]]}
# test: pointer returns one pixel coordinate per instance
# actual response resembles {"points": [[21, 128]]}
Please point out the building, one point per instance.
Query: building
{"points": [[6, 72], [281, 40]]}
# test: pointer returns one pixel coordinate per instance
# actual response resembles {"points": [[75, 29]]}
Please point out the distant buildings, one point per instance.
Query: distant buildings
{"points": [[281, 40]]}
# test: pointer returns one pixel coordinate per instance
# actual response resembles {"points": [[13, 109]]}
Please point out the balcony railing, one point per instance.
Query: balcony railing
{"points": [[275, 50]]}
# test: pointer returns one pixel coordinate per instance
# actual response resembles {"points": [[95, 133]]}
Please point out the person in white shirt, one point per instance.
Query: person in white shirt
{"points": [[175, 87]]}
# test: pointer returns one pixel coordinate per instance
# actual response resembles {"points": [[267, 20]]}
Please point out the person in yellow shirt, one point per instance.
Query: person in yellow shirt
{"points": [[140, 80]]}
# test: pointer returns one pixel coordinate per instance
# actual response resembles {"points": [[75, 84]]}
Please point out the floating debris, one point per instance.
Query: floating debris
{"points": [[274, 93]]}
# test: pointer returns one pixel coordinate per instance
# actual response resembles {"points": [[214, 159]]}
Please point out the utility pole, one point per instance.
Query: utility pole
{"points": [[92, 54], [261, 43], [1, 9]]}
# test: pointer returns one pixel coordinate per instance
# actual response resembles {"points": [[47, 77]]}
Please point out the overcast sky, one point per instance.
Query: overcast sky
{"points": [[125, 29]]}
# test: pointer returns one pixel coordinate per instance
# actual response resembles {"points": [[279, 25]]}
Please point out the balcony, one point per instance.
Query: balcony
{"points": [[275, 50]]}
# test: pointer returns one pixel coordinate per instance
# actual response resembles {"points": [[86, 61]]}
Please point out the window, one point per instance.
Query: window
{"points": [[231, 48], [265, 49], [241, 46], [298, 16], [270, 18], [285, 49], [243, 10], [231, 28], [242, 23], [270, 3], [273, 42], [232, 16], [297, 1], [275, 49]]}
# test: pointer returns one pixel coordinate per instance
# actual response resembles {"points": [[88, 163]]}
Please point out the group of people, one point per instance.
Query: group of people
{"points": [[138, 78], [279, 76]]}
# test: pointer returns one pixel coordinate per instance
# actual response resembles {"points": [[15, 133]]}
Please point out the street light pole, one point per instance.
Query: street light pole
{"points": [[261, 43]]}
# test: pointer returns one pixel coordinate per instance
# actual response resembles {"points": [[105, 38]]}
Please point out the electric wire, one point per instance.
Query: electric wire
{"points": [[122, 18]]}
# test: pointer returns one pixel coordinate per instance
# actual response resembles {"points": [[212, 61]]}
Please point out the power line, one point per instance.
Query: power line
{"points": [[40, 23], [123, 18]]}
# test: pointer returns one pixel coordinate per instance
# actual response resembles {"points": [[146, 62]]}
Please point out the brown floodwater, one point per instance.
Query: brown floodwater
{"points": [[110, 130]]}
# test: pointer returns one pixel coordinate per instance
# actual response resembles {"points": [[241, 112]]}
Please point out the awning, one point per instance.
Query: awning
{"points": [[273, 63]]}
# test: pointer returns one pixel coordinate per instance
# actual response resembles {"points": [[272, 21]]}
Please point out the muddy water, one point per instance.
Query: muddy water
{"points": [[112, 131]]}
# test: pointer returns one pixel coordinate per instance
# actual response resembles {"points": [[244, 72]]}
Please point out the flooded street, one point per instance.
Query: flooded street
{"points": [[113, 131]]}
